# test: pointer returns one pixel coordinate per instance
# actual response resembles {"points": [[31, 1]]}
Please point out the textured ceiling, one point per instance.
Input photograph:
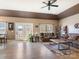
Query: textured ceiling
{"points": [[35, 5]]}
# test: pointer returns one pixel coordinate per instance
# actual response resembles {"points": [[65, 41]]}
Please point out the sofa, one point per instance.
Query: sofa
{"points": [[74, 38], [45, 37]]}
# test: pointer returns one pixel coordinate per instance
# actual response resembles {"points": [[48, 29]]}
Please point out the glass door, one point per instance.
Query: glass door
{"points": [[23, 30]]}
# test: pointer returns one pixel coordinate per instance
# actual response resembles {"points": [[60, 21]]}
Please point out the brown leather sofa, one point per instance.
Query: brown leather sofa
{"points": [[45, 37]]}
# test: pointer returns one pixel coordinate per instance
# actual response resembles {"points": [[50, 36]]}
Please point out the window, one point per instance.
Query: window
{"points": [[3, 27], [46, 28], [22, 31]]}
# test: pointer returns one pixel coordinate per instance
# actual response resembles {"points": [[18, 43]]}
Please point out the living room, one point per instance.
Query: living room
{"points": [[40, 33]]}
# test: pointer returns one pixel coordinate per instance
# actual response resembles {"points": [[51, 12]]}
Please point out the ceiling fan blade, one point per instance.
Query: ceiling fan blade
{"points": [[44, 7], [53, 1], [45, 3], [48, 7], [54, 5]]}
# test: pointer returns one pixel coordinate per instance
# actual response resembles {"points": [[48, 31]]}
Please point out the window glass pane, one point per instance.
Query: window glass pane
{"points": [[49, 28], [3, 27], [42, 28], [46, 28]]}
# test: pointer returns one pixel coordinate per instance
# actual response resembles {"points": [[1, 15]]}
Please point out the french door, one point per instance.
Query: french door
{"points": [[23, 30]]}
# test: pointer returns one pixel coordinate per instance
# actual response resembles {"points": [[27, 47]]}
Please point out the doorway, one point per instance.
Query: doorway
{"points": [[23, 30]]}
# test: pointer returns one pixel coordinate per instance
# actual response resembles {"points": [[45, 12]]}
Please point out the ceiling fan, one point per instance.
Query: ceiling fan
{"points": [[49, 4]]}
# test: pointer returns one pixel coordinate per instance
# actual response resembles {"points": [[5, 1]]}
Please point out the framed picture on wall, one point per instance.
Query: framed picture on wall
{"points": [[11, 26], [36, 26], [76, 25]]}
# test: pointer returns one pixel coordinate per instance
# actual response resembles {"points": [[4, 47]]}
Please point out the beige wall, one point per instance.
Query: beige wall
{"points": [[11, 34], [70, 22]]}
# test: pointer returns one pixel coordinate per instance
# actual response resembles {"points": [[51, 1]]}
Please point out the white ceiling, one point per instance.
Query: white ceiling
{"points": [[35, 5]]}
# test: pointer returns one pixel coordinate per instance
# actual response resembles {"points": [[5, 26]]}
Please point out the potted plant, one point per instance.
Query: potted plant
{"points": [[30, 37]]}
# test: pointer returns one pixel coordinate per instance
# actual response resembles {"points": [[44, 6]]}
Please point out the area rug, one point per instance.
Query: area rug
{"points": [[54, 48]]}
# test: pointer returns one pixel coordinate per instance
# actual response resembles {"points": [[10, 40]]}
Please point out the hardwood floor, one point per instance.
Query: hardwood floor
{"points": [[24, 50]]}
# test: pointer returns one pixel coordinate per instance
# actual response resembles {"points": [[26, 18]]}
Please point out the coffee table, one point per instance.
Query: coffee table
{"points": [[62, 43]]}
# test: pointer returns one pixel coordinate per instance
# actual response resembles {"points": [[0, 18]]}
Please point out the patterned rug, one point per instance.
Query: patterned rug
{"points": [[54, 48]]}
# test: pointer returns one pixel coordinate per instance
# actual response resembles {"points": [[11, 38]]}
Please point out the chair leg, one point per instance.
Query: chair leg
{"points": [[5, 41], [1, 40]]}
